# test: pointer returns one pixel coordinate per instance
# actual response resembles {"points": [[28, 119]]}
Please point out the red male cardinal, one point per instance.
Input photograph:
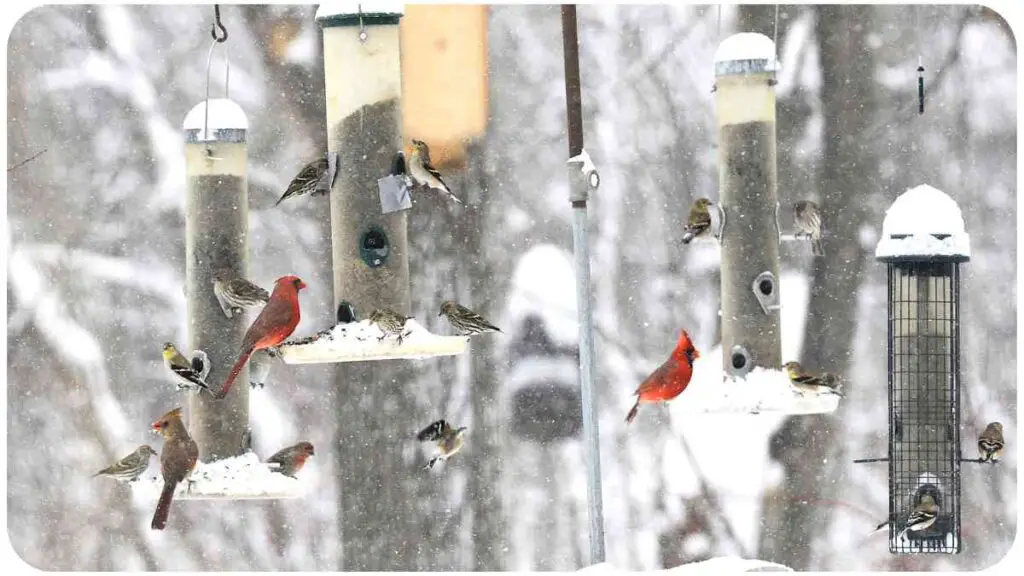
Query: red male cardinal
{"points": [[276, 322], [670, 379]]}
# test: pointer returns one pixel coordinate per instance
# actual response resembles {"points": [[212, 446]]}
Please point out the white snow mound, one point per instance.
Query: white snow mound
{"points": [[761, 391], [239, 478], [923, 222], [224, 115], [360, 341], [349, 7], [745, 46]]}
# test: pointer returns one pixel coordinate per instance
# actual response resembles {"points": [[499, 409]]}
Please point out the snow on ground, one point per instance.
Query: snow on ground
{"points": [[712, 566], [360, 341], [241, 478], [762, 390], [544, 283]]}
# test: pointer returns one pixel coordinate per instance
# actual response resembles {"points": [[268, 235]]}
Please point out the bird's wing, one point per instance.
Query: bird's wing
{"points": [[434, 431], [433, 172]]}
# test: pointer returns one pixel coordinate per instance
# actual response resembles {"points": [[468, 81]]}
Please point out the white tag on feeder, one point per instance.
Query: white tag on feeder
{"points": [[394, 193]]}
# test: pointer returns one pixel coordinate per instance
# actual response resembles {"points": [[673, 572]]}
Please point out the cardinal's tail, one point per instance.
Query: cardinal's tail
{"points": [[235, 371], [163, 507], [633, 411]]}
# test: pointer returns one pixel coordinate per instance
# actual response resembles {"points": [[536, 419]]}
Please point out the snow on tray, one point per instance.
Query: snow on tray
{"points": [[224, 115], [745, 53], [713, 566], [239, 478], [761, 391], [351, 7], [923, 222], [359, 341]]}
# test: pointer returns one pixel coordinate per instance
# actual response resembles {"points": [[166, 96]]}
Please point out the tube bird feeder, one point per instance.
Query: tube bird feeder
{"points": [[923, 243]]}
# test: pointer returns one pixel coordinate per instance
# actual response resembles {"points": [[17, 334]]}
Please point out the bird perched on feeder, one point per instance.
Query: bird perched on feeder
{"points": [[990, 443], [467, 322], [668, 380], [276, 322], [448, 440], [308, 180], [807, 219], [806, 383], [183, 370], [235, 293], [129, 468], [390, 323], [921, 517], [423, 172], [177, 460], [290, 460], [698, 223], [346, 313]]}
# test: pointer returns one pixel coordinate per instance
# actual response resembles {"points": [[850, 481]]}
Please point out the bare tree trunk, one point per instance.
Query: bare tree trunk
{"points": [[807, 446]]}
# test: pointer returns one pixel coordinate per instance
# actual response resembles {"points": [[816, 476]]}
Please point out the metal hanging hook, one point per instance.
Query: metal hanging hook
{"points": [[217, 24], [362, 27], [206, 107]]}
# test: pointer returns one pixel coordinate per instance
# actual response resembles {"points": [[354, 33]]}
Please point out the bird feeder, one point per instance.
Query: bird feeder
{"points": [[542, 381], [923, 243]]}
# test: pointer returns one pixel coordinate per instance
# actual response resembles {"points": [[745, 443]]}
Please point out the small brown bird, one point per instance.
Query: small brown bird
{"points": [[390, 323], [807, 219], [449, 440], [290, 460], [424, 173], [129, 468], [806, 383], [699, 221], [235, 293], [467, 322], [183, 370], [990, 443], [177, 461], [307, 181], [921, 517]]}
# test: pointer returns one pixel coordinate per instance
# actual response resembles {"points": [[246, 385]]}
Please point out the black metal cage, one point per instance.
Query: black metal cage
{"points": [[924, 403]]}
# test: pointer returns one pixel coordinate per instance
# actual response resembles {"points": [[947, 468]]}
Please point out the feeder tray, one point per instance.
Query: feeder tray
{"points": [[240, 478], [360, 342]]}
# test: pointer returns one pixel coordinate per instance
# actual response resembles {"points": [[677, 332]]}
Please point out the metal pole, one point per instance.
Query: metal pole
{"points": [[579, 190], [216, 236]]}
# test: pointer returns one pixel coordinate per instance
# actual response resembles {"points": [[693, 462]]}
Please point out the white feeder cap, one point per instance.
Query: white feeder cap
{"points": [[745, 53], [343, 11], [225, 123], [924, 224]]}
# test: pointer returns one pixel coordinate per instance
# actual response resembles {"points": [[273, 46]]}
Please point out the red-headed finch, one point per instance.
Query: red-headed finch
{"points": [[290, 460]]}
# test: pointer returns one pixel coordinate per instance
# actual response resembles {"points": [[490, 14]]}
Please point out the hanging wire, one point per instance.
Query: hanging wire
{"points": [[217, 39], [775, 37], [920, 85], [362, 28], [719, 23]]}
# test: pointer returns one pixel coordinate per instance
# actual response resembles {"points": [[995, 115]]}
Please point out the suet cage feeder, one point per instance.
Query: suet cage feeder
{"points": [[543, 384], [923, 243]]}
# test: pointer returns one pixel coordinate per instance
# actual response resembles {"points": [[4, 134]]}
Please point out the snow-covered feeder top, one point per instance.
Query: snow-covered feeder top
{"points": [[225, 123], [349, 13], [923, 224], [745, 53]]}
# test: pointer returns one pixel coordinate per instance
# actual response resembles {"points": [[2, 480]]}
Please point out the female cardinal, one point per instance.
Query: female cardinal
{"points": [[669, 379], [177, 460], [276, 322]]}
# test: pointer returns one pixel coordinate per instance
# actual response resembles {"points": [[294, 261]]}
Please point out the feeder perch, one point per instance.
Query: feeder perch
{"points": [[765, 290], [543, 382], [923, 243], [360, 341], [238, 478]]}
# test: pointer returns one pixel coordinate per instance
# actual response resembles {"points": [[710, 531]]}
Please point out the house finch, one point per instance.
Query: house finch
{"points": [[810, 384], [990, 443], [290, 460], [259, 366], [177, 460], [699, 221], [235, 293], [346, 313], [449, 440], [390, 323], [465, 320], [276, 322], [307, 181], [423, 172], [183, 370], [668, 380], [808, 223], [129, 468]]}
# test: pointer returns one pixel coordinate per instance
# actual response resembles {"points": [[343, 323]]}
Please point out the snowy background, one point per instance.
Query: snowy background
{"points": [[95, 265]]}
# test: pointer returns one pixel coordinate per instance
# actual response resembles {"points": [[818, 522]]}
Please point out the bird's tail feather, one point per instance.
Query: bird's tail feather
{"points": [[816, 247], [235, 371], [163, 507], [633, 411]]}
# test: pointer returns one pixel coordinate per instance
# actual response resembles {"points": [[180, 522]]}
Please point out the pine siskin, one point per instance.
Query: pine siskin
{"points": [[449, 440], [806, 383], [185, 376], [807, 219], [307, 180], [423, 172], [235, 293], [464, 320], [346, 313], [699, 221], [129, 468], [290, 460], [990, 443], [390, 323]]}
